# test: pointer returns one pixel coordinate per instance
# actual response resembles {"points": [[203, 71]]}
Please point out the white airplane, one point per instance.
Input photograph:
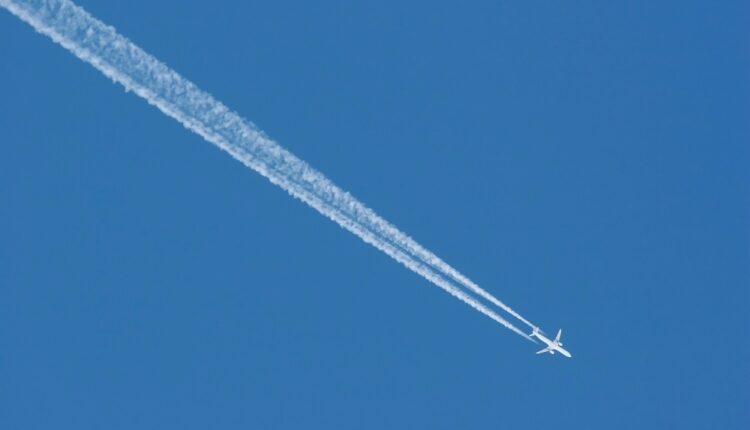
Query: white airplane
{"points": [[552, 345]]}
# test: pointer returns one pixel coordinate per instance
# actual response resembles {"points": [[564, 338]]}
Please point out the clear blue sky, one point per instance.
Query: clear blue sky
{"points": [[586, 163]]}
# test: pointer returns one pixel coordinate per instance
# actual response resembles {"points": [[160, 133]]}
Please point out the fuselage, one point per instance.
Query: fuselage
{"points": [[551, 344]]}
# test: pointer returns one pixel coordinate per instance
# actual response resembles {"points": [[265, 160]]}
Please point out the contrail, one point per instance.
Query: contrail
{"points": [[122, 61]]}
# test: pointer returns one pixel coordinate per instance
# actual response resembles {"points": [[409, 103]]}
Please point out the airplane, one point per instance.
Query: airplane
{"points": [[552, 345]]}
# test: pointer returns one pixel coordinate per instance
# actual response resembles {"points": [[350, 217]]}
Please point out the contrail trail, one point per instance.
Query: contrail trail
{"points": [[122, 61]]}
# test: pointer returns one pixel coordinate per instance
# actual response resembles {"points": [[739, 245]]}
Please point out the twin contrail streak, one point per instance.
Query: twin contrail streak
{"points": [[116, 57]]}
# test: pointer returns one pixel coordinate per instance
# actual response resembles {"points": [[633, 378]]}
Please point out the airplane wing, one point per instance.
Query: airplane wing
{"points": [[559, 333], [547, 349]]}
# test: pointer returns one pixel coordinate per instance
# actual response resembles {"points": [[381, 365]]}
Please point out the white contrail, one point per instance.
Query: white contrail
{"points": [[125, 63]]}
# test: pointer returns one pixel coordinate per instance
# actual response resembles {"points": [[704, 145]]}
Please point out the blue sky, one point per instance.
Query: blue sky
{"points": [[587, 164]]}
